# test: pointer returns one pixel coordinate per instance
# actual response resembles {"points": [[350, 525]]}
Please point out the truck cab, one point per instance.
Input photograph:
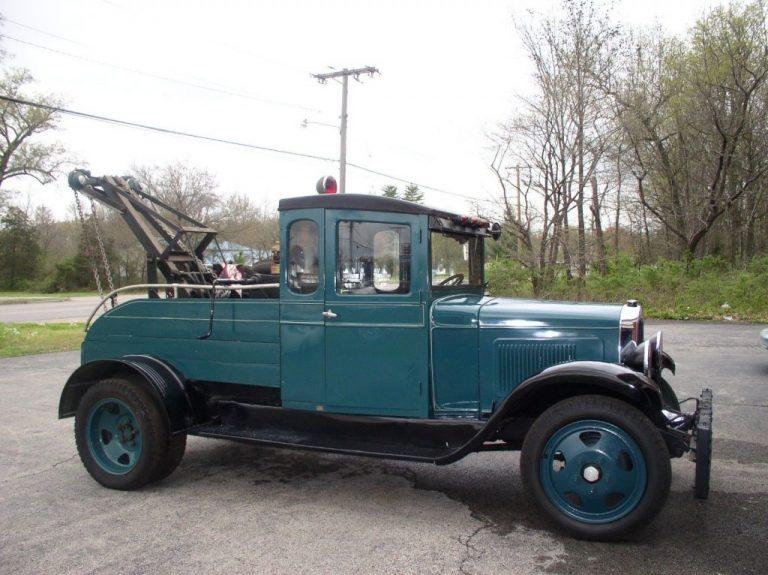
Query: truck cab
{"points": [[379, 338], [359, 278]]}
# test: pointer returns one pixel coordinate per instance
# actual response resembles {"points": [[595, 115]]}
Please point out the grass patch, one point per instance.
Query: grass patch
{"points": [[32, 338], [708, 290], [39, 294]]}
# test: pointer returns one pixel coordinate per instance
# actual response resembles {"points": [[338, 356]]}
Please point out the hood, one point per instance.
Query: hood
{"points": [[503, 312], [534, 314]]}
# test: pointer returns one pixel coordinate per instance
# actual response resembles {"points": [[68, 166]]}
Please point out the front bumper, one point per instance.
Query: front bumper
{"points": [[692, 432], [702, 444]]}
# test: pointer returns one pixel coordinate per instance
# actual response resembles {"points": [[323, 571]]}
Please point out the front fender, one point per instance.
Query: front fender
{"points": [[559, 382], [592, 376], [165, 384]]}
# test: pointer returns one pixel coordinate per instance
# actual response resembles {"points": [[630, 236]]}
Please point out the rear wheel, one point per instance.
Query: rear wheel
{"points": [[122, 435], [597, 466]]}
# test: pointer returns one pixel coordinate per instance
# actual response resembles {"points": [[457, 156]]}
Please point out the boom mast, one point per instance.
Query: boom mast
{"points": [[171, 247]]}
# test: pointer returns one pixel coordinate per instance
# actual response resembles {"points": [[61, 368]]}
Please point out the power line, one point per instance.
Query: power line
{"points": [[406, 181], [159, 76], [227, 45], [169, 131], [161, 130], [38, 30], [327, 76]]}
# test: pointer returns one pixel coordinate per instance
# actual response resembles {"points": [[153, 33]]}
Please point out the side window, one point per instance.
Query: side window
{"points": [[303, 261], [373, 258]]}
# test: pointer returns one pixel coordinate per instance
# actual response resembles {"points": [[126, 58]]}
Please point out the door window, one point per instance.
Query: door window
{"points": [[373, 258], [303, 270]]}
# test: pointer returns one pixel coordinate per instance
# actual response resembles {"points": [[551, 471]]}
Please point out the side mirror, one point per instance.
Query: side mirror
{"points": [[495, 231]]}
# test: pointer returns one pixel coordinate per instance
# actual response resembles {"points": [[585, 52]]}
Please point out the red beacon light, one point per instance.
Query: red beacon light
{"points": [[327, 185]]}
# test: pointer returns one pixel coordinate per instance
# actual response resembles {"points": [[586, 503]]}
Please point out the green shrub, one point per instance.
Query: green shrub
{"points": [[706, 289]]}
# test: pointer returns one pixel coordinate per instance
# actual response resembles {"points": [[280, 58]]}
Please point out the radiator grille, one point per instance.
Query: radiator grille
{"points": [[518, 361]]}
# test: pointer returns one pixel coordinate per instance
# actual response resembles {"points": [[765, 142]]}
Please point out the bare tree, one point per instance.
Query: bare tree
{"points": [[688, 111], [21, 152], [256, 226], [190, 190]]}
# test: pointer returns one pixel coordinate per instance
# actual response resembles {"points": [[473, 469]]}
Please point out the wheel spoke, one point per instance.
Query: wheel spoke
{"points": [[623, 481], [593, 498], [571, 447], [610, 445], [107, 420], [113, 450], [566, 479]]}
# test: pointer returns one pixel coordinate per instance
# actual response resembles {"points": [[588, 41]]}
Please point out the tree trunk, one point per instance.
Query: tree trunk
{"points": [[618, 206], [581, 247], [598, 225]]}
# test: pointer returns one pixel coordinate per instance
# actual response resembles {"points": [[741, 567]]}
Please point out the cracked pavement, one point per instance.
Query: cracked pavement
{"points": [[234, 508]]}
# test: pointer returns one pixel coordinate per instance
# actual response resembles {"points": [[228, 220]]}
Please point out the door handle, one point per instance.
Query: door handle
{"points": [[329, 314]]}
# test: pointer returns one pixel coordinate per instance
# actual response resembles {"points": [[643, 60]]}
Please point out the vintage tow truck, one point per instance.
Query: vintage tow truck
{"points": [[379, 339]]}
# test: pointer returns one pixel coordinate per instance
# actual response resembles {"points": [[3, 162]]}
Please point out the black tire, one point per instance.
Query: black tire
{"points": [[153, 459], [632, 422], [177, 444], [668, 395]]}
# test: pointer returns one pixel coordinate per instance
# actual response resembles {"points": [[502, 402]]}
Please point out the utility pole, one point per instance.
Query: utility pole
{"points": [[519, 243], [344, 75], [517, 169]]}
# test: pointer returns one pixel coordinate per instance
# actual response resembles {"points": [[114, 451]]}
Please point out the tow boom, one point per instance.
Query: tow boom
{"points": [[176, 249]]}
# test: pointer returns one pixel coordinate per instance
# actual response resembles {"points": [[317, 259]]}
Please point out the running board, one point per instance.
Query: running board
{"points": [[427, 440]]}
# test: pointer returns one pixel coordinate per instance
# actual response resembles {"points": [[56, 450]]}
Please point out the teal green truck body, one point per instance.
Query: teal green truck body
{"points": [[378, 337], [431, 352]]}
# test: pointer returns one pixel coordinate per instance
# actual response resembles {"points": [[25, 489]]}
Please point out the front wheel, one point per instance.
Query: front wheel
{"points": [[597, 466], [122, 436]]}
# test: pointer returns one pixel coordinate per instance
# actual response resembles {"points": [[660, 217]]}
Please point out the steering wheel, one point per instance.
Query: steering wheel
{"points": [[453, 280]]}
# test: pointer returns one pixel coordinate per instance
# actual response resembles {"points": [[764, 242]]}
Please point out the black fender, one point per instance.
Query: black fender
{"points": [[577, 377], [164, 382], [558, 382]]}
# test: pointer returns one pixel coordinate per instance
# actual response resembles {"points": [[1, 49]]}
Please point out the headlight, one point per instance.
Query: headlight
{"points": [[648, 357], [630, 323], [652, 357]]}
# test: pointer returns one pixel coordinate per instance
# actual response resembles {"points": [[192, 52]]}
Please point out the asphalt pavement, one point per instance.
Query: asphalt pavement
{"points": [[74, 309], [233, 508]]}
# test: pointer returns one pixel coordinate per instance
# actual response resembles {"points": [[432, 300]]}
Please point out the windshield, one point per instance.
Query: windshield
{"points": [[456, 259]]}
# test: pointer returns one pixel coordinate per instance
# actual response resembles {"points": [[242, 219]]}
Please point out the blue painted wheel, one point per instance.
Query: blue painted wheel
{"points": [[593, 471], [123, 437], [597, 466], [114, 436]]}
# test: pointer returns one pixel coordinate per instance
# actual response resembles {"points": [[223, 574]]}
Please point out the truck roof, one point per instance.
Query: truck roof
{"points": [[438, 219], [361, 202]]}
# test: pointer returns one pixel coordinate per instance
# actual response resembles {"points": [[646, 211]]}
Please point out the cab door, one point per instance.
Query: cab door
{"points": [[302, 290], [376, 327]]}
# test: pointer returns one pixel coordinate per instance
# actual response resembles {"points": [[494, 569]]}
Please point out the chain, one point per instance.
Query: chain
{"points": [[86, 235], [104, 258], [201, 267]]}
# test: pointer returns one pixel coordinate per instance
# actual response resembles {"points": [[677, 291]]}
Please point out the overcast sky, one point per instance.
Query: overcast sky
{"points": [[449, 73]]}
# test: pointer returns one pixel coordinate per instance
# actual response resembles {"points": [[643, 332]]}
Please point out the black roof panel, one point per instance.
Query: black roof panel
{"points": [[360, 202]]}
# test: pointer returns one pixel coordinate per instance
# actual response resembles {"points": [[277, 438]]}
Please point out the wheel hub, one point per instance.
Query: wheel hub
{"points": [[127, 433], [591, 474]]}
